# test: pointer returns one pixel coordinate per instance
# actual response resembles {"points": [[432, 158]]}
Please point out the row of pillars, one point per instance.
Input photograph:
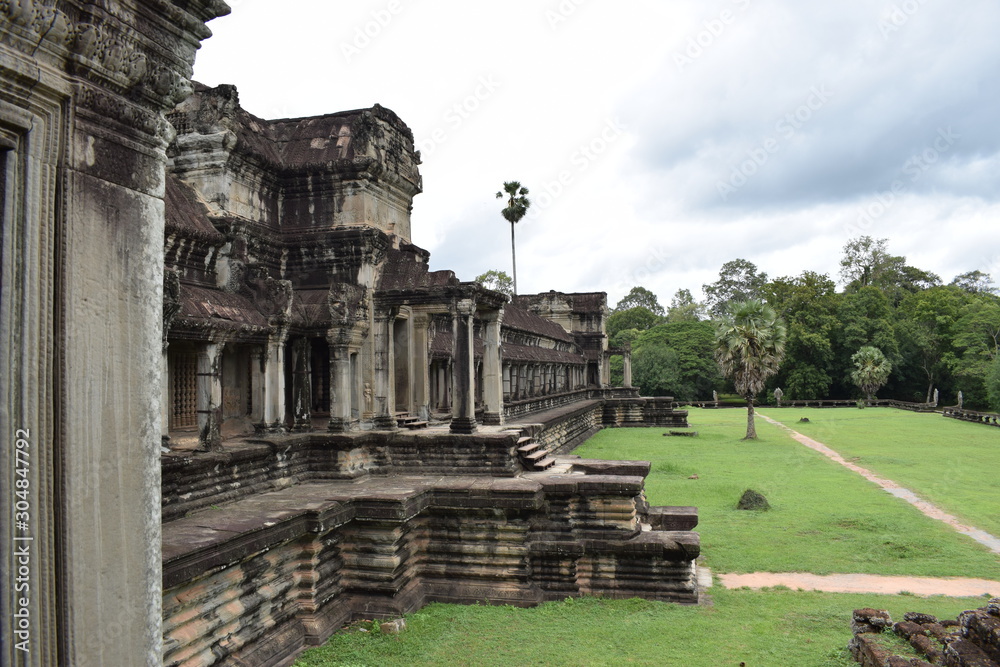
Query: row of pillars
{"points": [[347, 398]]}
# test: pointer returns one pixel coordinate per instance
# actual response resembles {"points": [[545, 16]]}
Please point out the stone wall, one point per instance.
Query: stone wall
{"points": [[262, 577], [990, 418], [83, 91], [515, 410], [194, 481]]}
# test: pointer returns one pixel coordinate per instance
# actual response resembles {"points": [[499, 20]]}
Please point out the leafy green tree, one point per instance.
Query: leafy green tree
{"points": [[639, 318], [808, 304], [866, 318], [975, 347], [871, 370], [750, 344], [925, 328], [738, 280], [640, 296], [498, 281], [656, 370], [867, 262], [975, 282], [517, 207], [993, 385], [683, 308], [694, 343]]}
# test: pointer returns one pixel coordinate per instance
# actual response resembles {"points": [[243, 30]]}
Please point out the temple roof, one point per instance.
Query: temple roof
{"points": [[515, 317], [186, 214], [204, 307]]}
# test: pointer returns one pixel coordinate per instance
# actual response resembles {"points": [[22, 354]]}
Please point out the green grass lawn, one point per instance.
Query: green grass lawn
{"points": [[823, 519], [770, 628], [951, 463]]}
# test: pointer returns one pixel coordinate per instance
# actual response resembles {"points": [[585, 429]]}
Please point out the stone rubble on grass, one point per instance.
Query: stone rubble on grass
{"points": [[973, 640]]}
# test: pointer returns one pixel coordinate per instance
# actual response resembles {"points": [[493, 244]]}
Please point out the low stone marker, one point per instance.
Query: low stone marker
{"points": [[682, 434], [393, 627]]}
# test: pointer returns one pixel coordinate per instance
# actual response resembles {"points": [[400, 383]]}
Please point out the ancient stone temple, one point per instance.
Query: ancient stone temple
{"points": [[245, 409]]}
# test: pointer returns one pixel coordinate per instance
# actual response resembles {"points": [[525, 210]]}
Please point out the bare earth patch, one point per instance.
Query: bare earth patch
{"points": [[863, 583]]}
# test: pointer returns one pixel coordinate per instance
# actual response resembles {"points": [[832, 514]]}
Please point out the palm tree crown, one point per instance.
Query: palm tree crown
{"points": [[749, 347], [517, 207], [871, 370]]}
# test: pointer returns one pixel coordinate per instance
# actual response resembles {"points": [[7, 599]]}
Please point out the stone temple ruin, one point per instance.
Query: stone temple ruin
{"points": [[251, 411]]}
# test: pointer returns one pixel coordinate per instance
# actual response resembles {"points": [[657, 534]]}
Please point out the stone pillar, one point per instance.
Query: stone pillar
{"points": [[341, 419], [273, 399], [165, 398], [385, 399], [421, 379], [210, 397], [492, 368], [258, 383], [463, 406], [301, 386], [627, 368], [604, 371]]}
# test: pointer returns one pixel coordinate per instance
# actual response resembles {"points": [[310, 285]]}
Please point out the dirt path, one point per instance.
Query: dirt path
{"points": [[864, 583], [989, 541]]}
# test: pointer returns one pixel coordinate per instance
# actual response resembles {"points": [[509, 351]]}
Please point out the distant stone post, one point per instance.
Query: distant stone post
{"points": [[960, 400], [777, 395]]}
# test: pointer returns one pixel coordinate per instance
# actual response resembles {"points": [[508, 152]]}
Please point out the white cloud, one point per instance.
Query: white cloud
{"points": [[519, 90]]}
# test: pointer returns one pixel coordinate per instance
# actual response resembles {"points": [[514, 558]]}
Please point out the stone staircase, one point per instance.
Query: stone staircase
{"points": [[533, 456], [406, 420]]}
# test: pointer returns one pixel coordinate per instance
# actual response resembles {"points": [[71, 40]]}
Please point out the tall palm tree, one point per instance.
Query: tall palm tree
{"points": [[871, 370], [517, 206], [749, 346]]}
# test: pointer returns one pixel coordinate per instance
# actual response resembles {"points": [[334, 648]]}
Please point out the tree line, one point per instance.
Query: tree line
{"points": [[930, 335]]}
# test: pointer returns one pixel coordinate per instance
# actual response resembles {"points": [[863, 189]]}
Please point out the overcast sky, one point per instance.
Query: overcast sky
{"points": [[658, 139]]}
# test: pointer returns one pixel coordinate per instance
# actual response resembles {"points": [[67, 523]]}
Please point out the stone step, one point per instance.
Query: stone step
{"points": [[545, 463], [673, 518], [414, 424], [524, 440], [535, 456], [527, 449]]}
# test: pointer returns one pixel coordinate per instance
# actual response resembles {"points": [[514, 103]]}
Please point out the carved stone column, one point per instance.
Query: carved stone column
{"points": [[627, 367], [258, 383], [165, 398], [385, 399], [463, 402], [421, 383], [341, 419], [274, 386], [301, 386], [210, 397], [492, 368]]}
